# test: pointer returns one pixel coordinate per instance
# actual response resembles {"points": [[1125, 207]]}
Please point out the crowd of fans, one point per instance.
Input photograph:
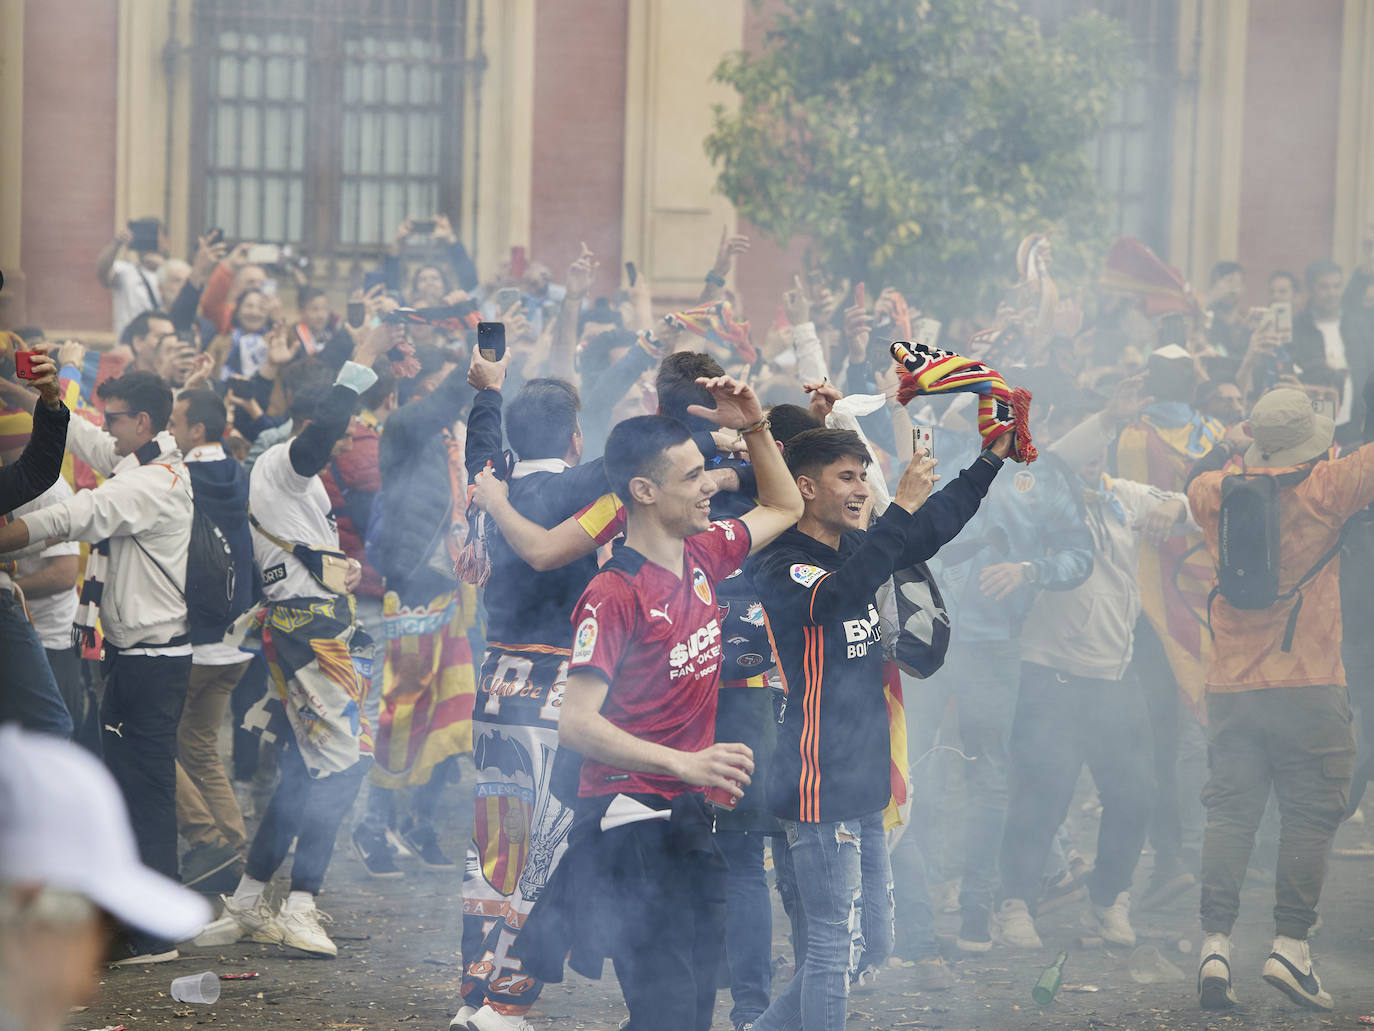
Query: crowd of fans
{"points": [[642, 564]]}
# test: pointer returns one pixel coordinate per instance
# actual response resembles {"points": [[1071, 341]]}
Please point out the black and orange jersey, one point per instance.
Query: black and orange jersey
{"points": [[832, 760]]}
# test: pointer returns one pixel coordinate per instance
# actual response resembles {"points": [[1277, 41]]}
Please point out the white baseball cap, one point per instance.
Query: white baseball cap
{"points": [[63, 825]]}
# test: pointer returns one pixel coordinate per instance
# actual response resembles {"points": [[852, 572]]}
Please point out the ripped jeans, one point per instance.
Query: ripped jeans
{"points": [[835, 864]]}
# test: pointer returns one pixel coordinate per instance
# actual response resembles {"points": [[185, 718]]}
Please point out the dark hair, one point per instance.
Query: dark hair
{"points": [[306, 403], [443, 275], [636, 447], [596, 356], [431, 358], [1170, 379], [234, 319], [601, 313], [1283, 273], [1207, 389], [142, 392], [812, 450], [540, 422], [1222, 269], [789, 420], [303, 374], [205, 408], [677, 386], [138, 325], [1320, 267], [306, 294], [376, 395], [1324, 376]]}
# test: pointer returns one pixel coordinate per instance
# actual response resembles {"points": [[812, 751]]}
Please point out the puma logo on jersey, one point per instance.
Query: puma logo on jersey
{"points": [[861, 633], [591, 609], [662, 613]]}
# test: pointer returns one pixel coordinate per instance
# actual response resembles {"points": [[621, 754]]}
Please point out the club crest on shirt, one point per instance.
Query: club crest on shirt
{"points": [[754, 614], [1023, 481], [750, 659], [806, 575], [584, 641], [701, 586]]}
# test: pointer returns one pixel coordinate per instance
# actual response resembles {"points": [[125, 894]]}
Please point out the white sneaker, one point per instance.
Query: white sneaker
{"points": [[238, 922], [397, 841], [1012, 925], [1112, 923], [487, 1019], [300, 929], [461, 1018], [1214, 991], [1289, 969]]}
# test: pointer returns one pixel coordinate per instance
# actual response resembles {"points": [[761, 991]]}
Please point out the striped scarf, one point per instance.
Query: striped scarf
{"points": [[1001, 409]]}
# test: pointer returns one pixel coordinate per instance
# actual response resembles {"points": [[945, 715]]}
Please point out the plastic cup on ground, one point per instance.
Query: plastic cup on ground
{"points": [[1148, 965], [201, 989]]}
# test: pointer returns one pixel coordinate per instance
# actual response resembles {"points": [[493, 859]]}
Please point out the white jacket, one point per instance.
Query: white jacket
{"points": [[153, 503]]}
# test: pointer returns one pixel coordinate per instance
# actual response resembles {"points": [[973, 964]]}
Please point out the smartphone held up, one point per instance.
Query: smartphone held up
{"points": [[491, 340]]}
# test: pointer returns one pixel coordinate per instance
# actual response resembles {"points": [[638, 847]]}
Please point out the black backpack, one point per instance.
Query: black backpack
{"points": [[1249, 546], [210, 574]]}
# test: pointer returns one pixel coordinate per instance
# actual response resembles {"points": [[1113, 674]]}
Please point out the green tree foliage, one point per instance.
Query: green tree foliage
{"points": [[915, 142]]}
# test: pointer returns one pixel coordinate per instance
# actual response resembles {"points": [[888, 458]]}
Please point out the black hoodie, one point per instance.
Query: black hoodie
{"points": [[220, 488]]}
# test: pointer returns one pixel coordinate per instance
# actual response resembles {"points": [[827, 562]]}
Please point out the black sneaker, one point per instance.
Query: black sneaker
{"points": [[375, 854], [425, 844], [203, 862], [974, 934]]}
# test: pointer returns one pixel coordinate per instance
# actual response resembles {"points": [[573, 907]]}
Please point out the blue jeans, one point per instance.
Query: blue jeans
{"points": [[984, 677], [748, 923], [836, 865], [29, 696]]}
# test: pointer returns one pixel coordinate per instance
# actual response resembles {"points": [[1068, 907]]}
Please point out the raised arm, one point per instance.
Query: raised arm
{"points": [[581, 275], [104, 264], [540, 548], [311, 450], [41, 462]]}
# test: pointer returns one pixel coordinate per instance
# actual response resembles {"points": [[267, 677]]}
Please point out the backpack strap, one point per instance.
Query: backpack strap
{"points": [[1292, 625]]}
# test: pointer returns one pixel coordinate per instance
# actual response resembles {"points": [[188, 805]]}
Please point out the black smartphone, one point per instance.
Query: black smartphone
{"points": [[240, 387], [214, 235], [373, 279], [356, 310], [631, 273], [491, 340], [422, 227]]}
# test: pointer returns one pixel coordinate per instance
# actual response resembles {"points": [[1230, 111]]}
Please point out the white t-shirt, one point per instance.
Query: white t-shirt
{"points": [[133, 290], [295, 508], [1335, 359], [53, 615]]}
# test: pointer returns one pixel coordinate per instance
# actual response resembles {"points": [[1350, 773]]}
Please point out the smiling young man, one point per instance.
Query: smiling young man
{"points": [[640, 706], [831, 778]]}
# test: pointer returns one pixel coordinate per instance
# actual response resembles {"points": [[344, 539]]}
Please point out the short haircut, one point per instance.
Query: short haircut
{"points": [[1323, 376], [596, 356], [602, 314], [677, 385], [302, 374], [789, 420], [306, 294], [375, 396], [1319, 268], [1208, 389], [306, 403], [638, 447], [542, 418], [1283, 273], [1222, 269], [142, 392], [205, 408], [138, 325], [811, 451]]}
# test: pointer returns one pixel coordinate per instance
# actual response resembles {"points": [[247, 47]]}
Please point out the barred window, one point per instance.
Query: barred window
{"points": [[324, 123], [1133, 151]]}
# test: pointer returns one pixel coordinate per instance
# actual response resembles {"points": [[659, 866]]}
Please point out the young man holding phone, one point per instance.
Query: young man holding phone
{"points": [[640, 707]]}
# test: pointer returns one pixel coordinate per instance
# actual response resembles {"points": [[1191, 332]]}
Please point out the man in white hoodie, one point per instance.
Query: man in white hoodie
{"points": [[138, 522]]}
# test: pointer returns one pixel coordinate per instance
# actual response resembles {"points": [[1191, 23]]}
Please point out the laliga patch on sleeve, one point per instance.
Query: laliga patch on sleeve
{"points": [[584, 642], [807, 575]]}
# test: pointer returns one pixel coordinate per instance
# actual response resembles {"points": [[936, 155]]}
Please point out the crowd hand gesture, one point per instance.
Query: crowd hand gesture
{"points": [[443, 230], [730, 247], [858, 325], [726, 765], [1127, 400], [123, 236], [73, 353], [488, 489], [403, 231], [238, 257], [1158, 523], [918, 480], [209, 253], [999, 581], [233, 402], [581, 274], [281, 350], [455, 296], [1264, 341], [795, 304], [513, 318], [44, 376], [737, 406], [201, 367], [485, 375], [823, 398]]}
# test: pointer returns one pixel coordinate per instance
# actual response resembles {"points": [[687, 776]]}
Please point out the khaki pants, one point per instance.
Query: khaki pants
{"points": [[207, 811], [1301, 741]]}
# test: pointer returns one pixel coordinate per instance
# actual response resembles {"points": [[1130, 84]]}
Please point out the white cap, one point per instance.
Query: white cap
{"points": [[63, 825]]}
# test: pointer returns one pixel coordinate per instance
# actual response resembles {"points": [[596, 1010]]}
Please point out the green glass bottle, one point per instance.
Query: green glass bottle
{"points": [[1048, 986]]}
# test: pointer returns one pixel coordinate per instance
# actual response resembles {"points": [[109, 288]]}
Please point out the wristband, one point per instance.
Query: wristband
{"points": [[762, 424], [714, 279]]}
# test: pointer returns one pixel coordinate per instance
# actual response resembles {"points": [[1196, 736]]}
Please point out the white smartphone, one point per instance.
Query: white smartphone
{"points": [[923, 437]]}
